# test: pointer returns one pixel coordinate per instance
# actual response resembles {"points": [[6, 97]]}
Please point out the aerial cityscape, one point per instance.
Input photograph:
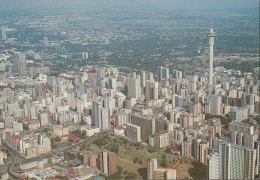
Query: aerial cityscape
{"points": [[111, 89]]}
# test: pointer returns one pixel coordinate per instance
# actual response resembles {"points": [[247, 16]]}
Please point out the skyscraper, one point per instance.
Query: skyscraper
{"points": [[153, 172], [108, 162], [215, 102], [162, 73], [97, 110], [232, 162], [3, 33], [211, 35], [45, 42], [151, 89], [19, 63], [134, 90]]}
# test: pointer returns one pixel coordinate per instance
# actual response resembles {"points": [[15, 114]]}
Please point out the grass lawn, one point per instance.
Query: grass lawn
{"points": [[128, 152]]}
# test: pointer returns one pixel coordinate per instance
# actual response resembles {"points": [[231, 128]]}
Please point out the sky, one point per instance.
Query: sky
{"points": [[126, 5]]}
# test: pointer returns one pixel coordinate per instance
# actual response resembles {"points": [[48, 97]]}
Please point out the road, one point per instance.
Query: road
{"points": [[15, 153]]}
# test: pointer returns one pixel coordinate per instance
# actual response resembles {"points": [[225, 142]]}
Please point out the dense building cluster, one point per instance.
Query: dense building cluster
{"points": [[209, 116]]}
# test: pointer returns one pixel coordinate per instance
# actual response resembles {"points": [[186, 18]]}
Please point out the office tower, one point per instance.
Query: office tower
{"points": [[214, 127], [213, 166], [101, 116], [84, 55], [242, 134], [149, 126], [177, 74], [45, 42], [146, 123], [97, 109], [3, 33], [133, 132], [215, 104], [162, 73], [232, 162], [160, 140], [134, 90], [151, 90], [19, 63], [153, 172], [151, 167], [105, 119], [239, 114], [1, 157], [211, 35], [112, 83], [108, 162], [195, 108], [186, 149], [178, 101]]}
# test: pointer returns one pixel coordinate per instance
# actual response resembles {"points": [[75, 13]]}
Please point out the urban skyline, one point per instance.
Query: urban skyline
{"points": [[129, 89]]}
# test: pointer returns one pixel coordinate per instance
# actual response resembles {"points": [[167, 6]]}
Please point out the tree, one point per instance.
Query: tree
{"points": [[137, 144], [25, 127], [116, 175], [151, 149], [131, 175], [136, 160], [114, 148], [164, 161], [120, 169], [168, 150], [57, 139], [217, 135]]}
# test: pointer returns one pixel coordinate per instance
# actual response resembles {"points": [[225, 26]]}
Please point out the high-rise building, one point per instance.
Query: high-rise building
{"points": [[134, 90], [105, 119], [3, 33], [211, 35], [108, 162], [162, 73], [101, 116], [151, 89], [243, 134], [45, 42], [153, 172], [232, 162], [214, 127], [97, 109], [215, 102], [213, 164], [149, 126], [19, 63], [186, 149], [238, 114], [160, 140], [133, 132]]}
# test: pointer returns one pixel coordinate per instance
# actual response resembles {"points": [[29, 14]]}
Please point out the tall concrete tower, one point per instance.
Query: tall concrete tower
{"points": [[211, 35]]}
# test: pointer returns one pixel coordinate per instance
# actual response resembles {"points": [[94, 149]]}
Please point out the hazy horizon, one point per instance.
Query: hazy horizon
{"points": [[127, 5]]}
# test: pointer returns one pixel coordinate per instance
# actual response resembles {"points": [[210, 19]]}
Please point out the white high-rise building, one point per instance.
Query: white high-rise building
{"points": [[19, 63], [162, 73], [215, 102], [3, 30], [151, 89], [134, 90], [232, 162], [45, 42], [213, 162], [242, 134], [97, 109], [211, 35]]}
